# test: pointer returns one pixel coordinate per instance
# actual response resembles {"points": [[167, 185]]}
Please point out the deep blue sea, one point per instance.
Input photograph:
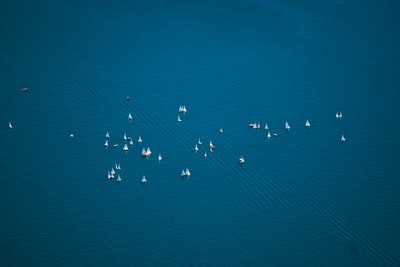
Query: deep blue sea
{"points": [[301, 199]]}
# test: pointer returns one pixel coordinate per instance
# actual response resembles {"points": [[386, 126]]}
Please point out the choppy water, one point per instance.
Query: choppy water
{"points": [[303, 198]]}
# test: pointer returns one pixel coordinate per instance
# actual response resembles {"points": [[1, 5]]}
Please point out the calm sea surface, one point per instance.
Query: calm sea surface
{"points": [[301, 199]]}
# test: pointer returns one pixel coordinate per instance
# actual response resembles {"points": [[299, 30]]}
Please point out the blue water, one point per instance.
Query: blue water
{"points": [[301, 199]]}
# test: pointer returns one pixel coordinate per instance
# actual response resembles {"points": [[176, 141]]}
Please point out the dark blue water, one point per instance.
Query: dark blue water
{"points": [[301, 199]]}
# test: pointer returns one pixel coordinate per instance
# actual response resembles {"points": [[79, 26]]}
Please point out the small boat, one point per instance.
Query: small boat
{"points": [[182, 109], [71, 135], [268, 135], [241, 160], [287, 126], [10, 125], [179, 118], [187, 172], [196, 148], [307, 124], [106, 143], [131, 142], [128, 97], [199, 142], [211, 145], [107, 135], [159, 157], [25, 89], [205, 154], [342, 139], [221, 130], [115, 145], [125, 138], [253, 125], [276, 135], [119, 178], [144, 180], [266, 127], [140, 140], [129, 116], [146, 152]]}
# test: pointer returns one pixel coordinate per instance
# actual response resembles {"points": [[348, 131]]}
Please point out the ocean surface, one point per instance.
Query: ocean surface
{"points": [[301, 199]]}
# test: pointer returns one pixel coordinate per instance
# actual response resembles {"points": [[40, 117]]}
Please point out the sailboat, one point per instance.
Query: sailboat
{"points": [[187, 172], [129, 116], [159, 157], [146, 152], [342, 139], [196, 148], [107, 135], [112, 172], [339, 115], [119, 178], [268, 135], [287, 126], [144, 180], [125, 148], [131, 142], [140, 140], [109, 176], [241, 160], [307, 124], [183, 173], [125, 138], [205, 154], [10, 125], [179, 118], [266, 127], [117, 166], [106, 143], [199, 141], [211, 146]]}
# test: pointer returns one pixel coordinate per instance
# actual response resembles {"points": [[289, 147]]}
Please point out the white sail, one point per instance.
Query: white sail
{"points": [[287, 126], [109, 175], [106, 143], [196, 148], [268, 135], [266, 126], [342, 138], [140, 140], [10, 125], [131, 142], [119, 178], [179, 119], [159, 157], [205, 154], [144, 180], [211, 145], [307, 124], [241, 160], [143, 152], [187, 172], [112, 171], [183, 173], [125, 148], [199, 141], [129, 116], [125, 138], [148, 151], [107, 135]]}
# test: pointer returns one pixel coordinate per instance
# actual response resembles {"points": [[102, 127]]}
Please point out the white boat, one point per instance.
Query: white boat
{"points": [[276, 134], [131, 142], [159, 157], [211, 145], [125, 148], [307, 124], [266, 127], [179, 118], [196, 148], [268, 135], [125, 138], [140, 140], [253, 125], [287, 126], [10, 125], [119, 178], [205, 154], [129, 116], [199, 142], [241, 160], [342, 139], [144, 180], [115, 145], [146, 152], [182, 109], [187, 172], [106, 143], [107, 135]]}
